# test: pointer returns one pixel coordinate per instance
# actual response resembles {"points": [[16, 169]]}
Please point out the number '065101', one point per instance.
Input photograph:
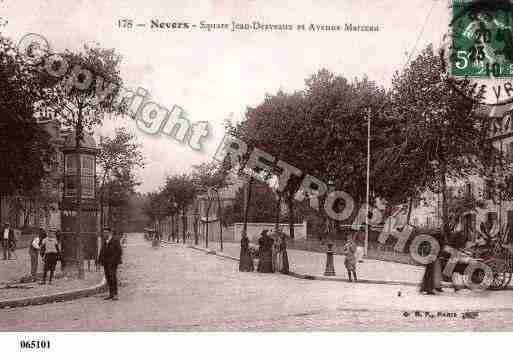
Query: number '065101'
{"points": [[35, 344]]}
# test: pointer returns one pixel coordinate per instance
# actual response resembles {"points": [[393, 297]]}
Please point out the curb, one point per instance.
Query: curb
{"points": [[57, 297], [316, 277]]}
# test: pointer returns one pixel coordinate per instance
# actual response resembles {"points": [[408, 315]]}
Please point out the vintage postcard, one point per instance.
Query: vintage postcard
{"points": [[255, 166]]}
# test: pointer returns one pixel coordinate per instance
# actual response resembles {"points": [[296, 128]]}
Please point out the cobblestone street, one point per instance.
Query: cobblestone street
{"points": [[178, 288]]}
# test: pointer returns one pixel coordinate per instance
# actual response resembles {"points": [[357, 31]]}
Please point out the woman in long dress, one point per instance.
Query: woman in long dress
{"points": [[284, 259], [432, 278], [265, 264]]}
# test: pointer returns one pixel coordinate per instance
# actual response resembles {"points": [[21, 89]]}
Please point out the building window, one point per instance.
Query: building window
{"points": [[491, 217], [488, 189], [508, 157]]}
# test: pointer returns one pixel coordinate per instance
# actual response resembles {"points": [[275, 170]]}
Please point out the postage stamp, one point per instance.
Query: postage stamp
{"points": [[480, 50]]}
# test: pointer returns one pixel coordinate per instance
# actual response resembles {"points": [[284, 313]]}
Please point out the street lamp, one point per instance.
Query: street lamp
{"points": [[330, 265]]}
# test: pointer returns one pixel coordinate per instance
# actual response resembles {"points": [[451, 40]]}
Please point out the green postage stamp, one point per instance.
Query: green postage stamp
{"points": [[482, 39]]}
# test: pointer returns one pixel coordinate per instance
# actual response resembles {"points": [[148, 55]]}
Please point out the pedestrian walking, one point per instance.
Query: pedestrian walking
{"points": [[350, 258], [8, 241], [110, 259], [34, 251], [50, 251]]}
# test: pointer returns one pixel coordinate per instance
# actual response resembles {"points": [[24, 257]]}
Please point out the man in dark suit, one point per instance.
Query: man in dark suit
{"points": [[110, 258], [8, 241]]}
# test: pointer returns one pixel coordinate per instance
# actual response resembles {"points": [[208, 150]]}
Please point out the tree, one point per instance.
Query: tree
{"points": [[155, 207], [321, 130], [213, 176], [435, 135], [210, 174], [179, 192], [25, 146], [79, 106], [117, 158], [264, 199], [119, 190]]}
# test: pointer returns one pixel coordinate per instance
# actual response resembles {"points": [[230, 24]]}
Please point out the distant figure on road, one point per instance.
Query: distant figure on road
{"points": [[50, 251], [110, 258], [8, 241], [265, 253], [34, 251], [124, 239], [350, 259]]}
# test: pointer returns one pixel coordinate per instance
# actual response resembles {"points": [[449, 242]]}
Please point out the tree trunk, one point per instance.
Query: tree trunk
{"points": [[408, 216], [290, 206], [445, 214], [196, 235], [172, 230], [102, 219], [246, 262], [184, 224], [277, 218], [206, 223], [220, 216]]}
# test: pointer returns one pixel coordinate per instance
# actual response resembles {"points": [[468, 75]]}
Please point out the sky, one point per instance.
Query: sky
{"points": [[213, 74]]}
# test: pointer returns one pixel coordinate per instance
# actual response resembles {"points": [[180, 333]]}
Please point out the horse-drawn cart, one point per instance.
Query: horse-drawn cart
{"points": [[495, 253]]}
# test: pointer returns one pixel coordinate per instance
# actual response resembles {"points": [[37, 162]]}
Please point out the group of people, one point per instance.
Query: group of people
{"points": [[48, 246], [272, 253]]}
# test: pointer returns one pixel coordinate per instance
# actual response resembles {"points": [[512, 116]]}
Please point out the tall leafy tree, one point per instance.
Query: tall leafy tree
{"points": [[118, 158], [118, 191], [88, 70], [25, 146], [321, 130], [435, 135], [179, 192]]}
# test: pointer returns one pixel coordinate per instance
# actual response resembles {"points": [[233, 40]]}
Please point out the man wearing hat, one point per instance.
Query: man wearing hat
{"points": [[110, 258], [8, 241]]}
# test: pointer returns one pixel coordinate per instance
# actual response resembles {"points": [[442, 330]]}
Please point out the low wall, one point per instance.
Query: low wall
{"points": [[254, 230], [375, 251]]}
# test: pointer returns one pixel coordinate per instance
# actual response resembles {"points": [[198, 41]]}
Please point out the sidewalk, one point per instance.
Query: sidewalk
{"points": [[12, 271], [312, 264]]}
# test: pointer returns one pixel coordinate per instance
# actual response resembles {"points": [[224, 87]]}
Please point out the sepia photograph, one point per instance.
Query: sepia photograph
{"points": [[250, 166]]}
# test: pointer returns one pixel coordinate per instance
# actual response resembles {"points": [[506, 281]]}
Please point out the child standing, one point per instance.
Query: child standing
{"points": [[350, 260], [50, 251]]}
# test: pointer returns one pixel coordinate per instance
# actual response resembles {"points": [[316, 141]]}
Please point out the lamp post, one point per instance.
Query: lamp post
{"points": [[366, 246], [330, 265]]}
